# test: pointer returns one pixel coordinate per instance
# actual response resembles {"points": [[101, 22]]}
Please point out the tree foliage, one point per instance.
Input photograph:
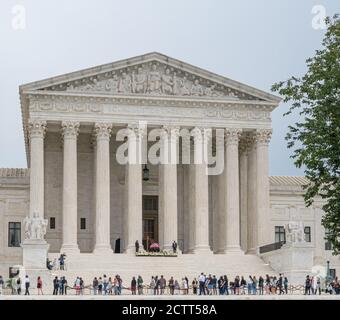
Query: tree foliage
{"points": [[316, 138]]}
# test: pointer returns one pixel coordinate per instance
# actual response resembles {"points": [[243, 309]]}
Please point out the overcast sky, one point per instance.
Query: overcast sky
{"points": [[255, 42]]}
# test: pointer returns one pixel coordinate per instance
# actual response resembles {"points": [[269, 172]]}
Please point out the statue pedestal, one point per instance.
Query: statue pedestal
{"points": [[295, 261], [34, 253]]}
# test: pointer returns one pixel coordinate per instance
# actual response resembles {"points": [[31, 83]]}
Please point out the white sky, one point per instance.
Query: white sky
{"points": [[256, 42]]}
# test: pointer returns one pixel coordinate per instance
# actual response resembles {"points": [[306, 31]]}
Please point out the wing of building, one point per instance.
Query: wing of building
{"points": [[96, 183]]}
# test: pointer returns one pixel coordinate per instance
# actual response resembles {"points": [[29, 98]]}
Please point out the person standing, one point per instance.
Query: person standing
{"points": [[19, 286], [95, 285], [105, 283], [174, 247], [280, 284], [225, 285], [250, 284], [243, 285], [162, 284], [194, 286], [1, 285], [39, 286], [184, 286], [55, 286], [137, 246], [261, 282], [285, 284], [152, 285], [177, 287], [201, 281], [133, 286], [307, 285], [140, 285], [172, 286], [100, 286], [27, 285]]}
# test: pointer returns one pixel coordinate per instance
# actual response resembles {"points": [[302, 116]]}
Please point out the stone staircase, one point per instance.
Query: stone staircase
{"points": [[88, 265]]}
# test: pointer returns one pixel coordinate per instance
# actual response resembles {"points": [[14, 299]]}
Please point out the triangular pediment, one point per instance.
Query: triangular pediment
{"points": [[152, 74]]}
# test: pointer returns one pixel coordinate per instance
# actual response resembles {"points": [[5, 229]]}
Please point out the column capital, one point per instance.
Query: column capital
{"points": [[171, 131], [232, 136], [102, 130], [70, 129], [245, 143], [37, 128], [263, 136], [136, 130]]}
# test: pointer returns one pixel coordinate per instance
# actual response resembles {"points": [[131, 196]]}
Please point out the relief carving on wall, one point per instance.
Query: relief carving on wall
{"points": [[152, 78]]}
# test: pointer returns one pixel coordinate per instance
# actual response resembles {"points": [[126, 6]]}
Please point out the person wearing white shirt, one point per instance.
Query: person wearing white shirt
{"points": [[27, 285], [201, 281]]}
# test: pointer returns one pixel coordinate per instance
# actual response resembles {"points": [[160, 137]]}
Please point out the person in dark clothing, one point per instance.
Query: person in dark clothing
{"points": [[27, 286], [137, 246], [133, 285], [55, 286], [261, 282], [280, 285], [174, 246], [307, 285]]}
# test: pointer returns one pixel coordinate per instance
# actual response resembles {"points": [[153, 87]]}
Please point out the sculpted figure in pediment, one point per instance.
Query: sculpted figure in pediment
{"points": [[196, 89], [125, 83], [154, 81], [139, 81], [112, 84], [167, 82]]}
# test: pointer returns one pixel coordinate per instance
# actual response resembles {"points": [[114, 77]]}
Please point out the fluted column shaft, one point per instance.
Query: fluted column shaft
{"points": [[201, 195], [232, 204], [263, 205], [168, 186], [252, 199], [134, 191], [102, 132], [243, 193], [37, 130], [70, 130]]}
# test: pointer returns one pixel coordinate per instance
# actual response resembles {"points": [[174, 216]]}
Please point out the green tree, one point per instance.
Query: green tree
{"points": [[315, 138]]}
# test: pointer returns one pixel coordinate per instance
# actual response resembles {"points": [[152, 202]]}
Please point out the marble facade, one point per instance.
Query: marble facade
{"points": [[71, 123]]}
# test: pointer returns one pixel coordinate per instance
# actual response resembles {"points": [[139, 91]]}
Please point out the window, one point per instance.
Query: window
{"points": [[332, 273], [328, 245], [82, 223], [52, 223], [280, 234], [14, 234], [150, 203], [308, 237]]}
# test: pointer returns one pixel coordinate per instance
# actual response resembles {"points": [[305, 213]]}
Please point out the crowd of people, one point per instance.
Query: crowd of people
{"points": [[202, 285]]}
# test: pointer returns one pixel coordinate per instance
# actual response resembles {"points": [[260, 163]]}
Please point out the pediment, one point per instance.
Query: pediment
{"points": [[151, 75]]}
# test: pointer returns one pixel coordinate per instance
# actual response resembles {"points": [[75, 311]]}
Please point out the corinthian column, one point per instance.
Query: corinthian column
{"points": [[134, 191], [232, 205], [102, 132], [262, 181], [243, 151], [70, 130], [37, 130], [251, 197], [201, 191], [168, 186]]}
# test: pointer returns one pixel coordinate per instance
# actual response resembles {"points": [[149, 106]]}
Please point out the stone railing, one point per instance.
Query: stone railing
{"points": [[271, 247], [14, 172]]}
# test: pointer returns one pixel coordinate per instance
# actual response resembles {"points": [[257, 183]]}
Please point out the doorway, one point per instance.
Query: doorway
{"points": [[150, 221]]}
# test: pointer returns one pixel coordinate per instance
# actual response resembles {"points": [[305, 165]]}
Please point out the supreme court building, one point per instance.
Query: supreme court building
{"points": [[77, 198]]}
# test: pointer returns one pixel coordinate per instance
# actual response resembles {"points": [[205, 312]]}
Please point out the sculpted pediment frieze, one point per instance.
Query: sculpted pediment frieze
{"points": [[152, 79]]}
